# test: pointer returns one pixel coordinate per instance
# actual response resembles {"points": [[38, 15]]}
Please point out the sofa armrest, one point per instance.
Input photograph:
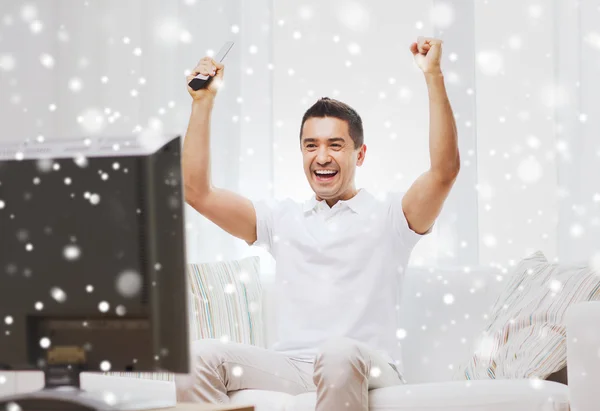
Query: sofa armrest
{"points": [[583, 355]]}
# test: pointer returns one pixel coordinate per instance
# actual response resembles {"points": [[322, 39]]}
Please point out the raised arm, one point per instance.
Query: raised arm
{"points": [[423, 202], [230, 211]]}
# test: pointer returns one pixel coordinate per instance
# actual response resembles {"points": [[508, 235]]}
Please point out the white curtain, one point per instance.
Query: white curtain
{"points": [[537, 135], [522, 78]]}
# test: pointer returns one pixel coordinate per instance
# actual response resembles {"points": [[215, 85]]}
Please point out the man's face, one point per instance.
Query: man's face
{"points": [[329, 157]]}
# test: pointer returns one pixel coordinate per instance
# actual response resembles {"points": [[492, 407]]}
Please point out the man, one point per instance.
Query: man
{"points": [[340, 256]]}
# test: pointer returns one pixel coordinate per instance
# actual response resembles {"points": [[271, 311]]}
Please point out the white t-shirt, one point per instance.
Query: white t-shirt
{"points": [[339, 270]]}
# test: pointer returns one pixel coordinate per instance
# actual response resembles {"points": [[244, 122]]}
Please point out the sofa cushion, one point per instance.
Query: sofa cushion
{"points": [[226, 301], [501, 395], [526, 334]]}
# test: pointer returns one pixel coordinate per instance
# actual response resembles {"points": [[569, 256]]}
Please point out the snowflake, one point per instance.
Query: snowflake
{"points": [[593, 39], [576, 230], [105, 366], [7, 62], [121, 310], [489, 240], [29, 13], [354, 49], [555, 96], [129, 283], [306, 12], [185, 37], [442, 15], [75, 85], [530, 170], [36, 26], [448, 299], [47, 60], [354, 16], [535, 11], [515, 42], [92, 120], [103, 306], [94, 199], [71, 252], [490, 62]]}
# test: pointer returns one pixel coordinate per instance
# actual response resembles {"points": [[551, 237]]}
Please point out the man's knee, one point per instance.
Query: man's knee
{"points": [[339, 351], [205, 358], [209, 351], [339, 362]]}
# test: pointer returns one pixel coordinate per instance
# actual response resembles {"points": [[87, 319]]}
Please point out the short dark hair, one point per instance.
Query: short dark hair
{"points": [[328, 107]]}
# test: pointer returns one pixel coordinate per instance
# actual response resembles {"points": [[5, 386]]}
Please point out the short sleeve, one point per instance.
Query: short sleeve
{"points": [[266, 211], [400, 225]]}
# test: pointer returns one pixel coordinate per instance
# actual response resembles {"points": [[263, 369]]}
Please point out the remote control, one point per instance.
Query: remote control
{"points": [[202, 81]]}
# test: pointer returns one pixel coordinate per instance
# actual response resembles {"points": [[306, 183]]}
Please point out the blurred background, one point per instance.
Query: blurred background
{"points": [[521, 75]]}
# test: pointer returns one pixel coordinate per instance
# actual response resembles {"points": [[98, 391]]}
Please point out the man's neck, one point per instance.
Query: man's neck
{"points": [[347, 195]]}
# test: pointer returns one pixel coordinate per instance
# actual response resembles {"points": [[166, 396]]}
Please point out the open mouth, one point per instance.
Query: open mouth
{"points": [[325, 175]]}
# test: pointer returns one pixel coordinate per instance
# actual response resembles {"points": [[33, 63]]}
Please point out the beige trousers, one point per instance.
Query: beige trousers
{"points": [[342, 374]]}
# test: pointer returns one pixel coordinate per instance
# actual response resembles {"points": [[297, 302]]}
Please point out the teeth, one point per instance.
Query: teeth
{"points": [[323, 172]]}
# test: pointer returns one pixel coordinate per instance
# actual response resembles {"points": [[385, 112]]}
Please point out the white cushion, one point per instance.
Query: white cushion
{"points": [[526, 333], [226, 301], [499, 395]]}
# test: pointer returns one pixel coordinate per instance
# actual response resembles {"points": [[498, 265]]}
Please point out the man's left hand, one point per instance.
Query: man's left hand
{"points": [[428, 54]]}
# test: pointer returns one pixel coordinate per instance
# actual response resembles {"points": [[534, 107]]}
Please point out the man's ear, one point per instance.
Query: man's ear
{"points": [[362, 152]]}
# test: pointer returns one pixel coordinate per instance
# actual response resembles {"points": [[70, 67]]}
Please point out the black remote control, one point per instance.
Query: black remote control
{"points": [[202, 81]]}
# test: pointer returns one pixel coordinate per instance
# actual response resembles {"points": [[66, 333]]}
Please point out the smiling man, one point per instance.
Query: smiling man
{"points": [[340, 255]]}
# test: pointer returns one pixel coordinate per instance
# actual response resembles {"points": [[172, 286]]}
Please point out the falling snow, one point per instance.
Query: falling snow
{"points": [[120, 310], [375, 372], [129, 283], [103, 306], [441, 15], [530, 170], [58, 294], [105, 366], [354, 16], [7, 62], [94, 199], [490, 62], [448, 299]]}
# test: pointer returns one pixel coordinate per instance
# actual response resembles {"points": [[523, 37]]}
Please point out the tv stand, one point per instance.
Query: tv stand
{"points": [[62, 392]]}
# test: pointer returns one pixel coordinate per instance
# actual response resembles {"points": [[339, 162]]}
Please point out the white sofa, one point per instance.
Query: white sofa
{"points": [[439, 337]]}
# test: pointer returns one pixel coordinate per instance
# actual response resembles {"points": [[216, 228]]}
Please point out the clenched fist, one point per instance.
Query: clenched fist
{"points": [[428, 54], [208, 67]]}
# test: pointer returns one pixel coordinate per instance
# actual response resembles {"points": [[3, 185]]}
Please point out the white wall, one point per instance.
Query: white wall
{"points": [[517, 182], [537, 161]]}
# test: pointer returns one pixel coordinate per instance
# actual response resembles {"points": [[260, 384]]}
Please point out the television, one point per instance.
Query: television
{"points": [[92, 264]]}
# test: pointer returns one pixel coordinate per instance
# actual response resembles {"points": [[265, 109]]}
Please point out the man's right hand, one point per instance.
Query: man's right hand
{"points": [[208, 67]]}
